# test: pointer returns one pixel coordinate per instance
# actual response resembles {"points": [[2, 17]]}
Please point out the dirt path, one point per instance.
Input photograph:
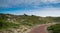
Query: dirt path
{"points": [[40, 29]]}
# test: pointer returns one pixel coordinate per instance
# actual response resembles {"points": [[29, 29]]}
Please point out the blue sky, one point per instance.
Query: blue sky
{"points": [[31, 7]]}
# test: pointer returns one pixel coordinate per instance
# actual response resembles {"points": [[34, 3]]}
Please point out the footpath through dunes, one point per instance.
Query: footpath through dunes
{"points": [[41, 29]]}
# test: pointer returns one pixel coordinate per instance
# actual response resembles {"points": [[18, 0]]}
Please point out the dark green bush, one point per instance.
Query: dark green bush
{"points": [[55, 28], [5, 25]]}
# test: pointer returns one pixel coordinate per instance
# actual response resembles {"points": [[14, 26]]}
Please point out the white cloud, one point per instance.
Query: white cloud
{"points": [[51, 1], [9, 3], [46, 12]]}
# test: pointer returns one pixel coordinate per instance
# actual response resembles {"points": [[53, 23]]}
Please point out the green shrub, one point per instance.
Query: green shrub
{"points": [[5, 25], [55, 28]]}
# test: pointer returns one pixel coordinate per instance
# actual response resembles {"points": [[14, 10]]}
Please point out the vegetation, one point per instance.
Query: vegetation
{"points": [[24, 21], [5, 25], [54, 28]]}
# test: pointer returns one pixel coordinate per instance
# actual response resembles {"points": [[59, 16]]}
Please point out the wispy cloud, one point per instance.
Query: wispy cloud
{"points": [[46, 12], [28, 4], [35, 7]]}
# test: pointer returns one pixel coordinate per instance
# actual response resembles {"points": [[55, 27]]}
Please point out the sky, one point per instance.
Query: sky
{"points": [[31, 7]]}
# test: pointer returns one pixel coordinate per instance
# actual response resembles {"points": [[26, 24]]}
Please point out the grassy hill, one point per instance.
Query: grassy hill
{"points": [[23, 22]]}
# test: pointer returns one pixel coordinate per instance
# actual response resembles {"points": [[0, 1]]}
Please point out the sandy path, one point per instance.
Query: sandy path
{"points": [[40, 29]]}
